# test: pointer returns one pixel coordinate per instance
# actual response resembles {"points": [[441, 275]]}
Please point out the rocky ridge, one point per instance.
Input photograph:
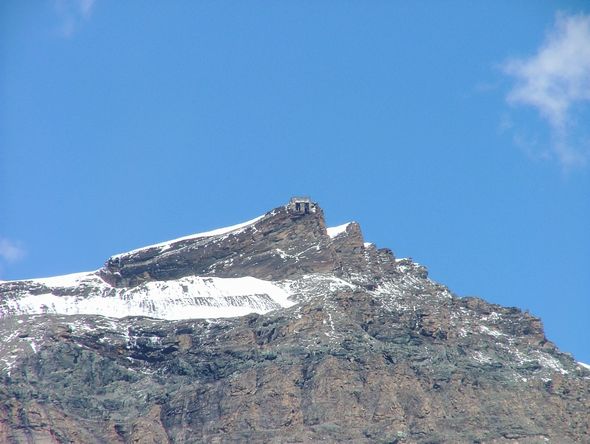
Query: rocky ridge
{"points": [[344, 343]]}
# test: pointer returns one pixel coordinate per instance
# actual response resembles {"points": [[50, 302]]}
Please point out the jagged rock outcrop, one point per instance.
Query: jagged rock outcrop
{"points": [[367, 350], [279, 245]]}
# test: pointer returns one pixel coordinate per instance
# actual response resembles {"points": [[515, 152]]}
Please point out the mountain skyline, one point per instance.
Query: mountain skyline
{"points": [[278, 329], [59, 294], [123, 126]]}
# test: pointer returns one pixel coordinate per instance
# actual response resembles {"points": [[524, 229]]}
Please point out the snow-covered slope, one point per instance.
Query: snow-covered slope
{"points": [[188, 297], [184, 297], [336, 231], [163, 246]]}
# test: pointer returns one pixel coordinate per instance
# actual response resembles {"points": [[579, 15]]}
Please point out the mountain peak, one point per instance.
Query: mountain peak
{"points": [[288, 241], [224, 272], [265, 247], [277, 325]]}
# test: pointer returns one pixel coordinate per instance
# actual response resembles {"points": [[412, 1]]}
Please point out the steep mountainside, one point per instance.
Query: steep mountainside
{"points": [[276, 330]]}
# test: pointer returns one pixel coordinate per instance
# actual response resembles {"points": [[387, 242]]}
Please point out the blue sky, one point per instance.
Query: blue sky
{"points": [[455, 132]]}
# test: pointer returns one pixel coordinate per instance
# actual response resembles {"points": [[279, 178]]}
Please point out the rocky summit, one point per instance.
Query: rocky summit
{"points": [[277, 330]]}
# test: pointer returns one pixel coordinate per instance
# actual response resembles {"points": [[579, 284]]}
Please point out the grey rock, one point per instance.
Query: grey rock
{"points": [[390, 357]]}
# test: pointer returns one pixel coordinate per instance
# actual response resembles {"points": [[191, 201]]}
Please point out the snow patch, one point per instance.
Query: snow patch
{"points": [[480, 357], [217, 232], [336, 231], [31, 342], [490, 331], [67, 280], [551, 363], [284, 255], [586, 366], [185, 298]]}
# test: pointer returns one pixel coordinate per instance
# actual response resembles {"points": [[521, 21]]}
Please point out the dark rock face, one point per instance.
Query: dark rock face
{"points": [[393, 357], [282, 244], [254, 251]]}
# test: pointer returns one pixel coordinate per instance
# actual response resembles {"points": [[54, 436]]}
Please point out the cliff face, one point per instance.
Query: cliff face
{"points": [[281, 244], [365, 348]]}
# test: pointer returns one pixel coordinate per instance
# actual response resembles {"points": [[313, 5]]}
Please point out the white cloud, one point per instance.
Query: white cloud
{"points": [[556, 82], [10, 251], [72, 13]]}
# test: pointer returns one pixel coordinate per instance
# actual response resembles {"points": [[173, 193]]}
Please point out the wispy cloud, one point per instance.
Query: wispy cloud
{"points": [[72, 13], [10, 251], [556, 82]]}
